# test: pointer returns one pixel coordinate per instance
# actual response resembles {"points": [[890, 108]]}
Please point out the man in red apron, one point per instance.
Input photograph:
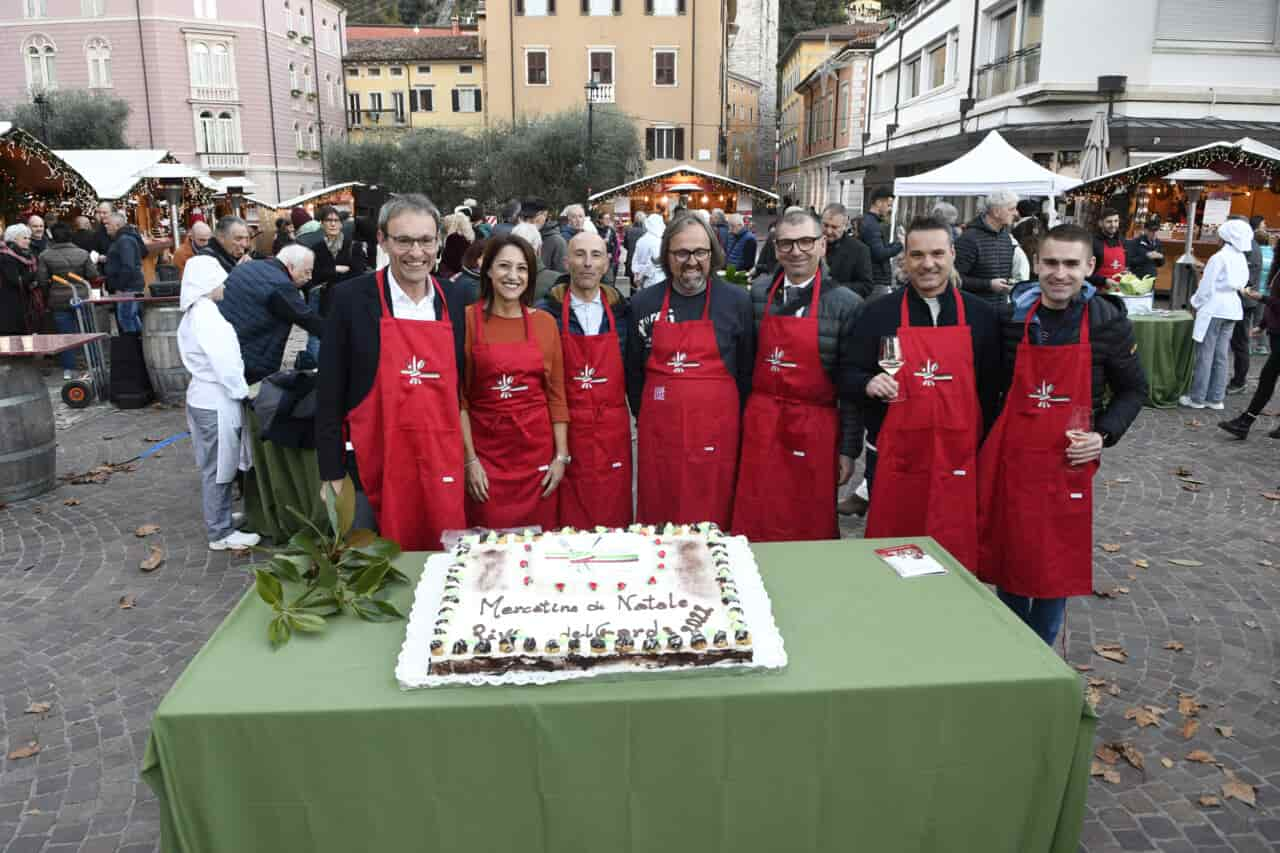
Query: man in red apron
{"points": [[1110, 258], [387, 407], [921, 451], [796, 447], [690, 353], [1067, 344], [596, 489]]}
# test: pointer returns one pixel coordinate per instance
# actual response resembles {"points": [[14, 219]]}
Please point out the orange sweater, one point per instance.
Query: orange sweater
{"points": [[506, 330]]}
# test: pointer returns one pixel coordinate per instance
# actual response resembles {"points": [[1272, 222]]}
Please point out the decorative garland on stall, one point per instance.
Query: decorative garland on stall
{"points": [[1100, 189], [16, 145]]}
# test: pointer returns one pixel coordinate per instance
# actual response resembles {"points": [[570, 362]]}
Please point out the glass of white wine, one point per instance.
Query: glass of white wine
{"points": [[891, 362], [1079, 423]]}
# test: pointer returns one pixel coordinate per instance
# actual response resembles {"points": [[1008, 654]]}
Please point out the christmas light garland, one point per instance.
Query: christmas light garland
{"points": [[1100, 189], [17, 145]]}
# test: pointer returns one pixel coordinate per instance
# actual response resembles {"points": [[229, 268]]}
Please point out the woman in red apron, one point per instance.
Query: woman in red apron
{"points": [[688, 425], [515, 424], [407, 443], [1036, 508], [788, 469], [926, 481], [596, 489]]}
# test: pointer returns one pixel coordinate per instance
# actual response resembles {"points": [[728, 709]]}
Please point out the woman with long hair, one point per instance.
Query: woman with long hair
{"points": [[18, 289]]}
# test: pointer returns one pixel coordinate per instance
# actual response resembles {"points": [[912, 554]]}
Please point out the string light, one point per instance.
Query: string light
{"points": [[18, 145], [1102, 188]]}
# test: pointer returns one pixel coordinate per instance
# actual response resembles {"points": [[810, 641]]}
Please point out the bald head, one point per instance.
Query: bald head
{"points": [[588, 259], [200, 234]]}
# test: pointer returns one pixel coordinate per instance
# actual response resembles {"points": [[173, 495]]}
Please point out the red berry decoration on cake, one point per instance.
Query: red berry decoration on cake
{"points": [[524, 564], [621, 585], [527, 580], [560, 587], [593, 585], [662, 553], [652, 580]]}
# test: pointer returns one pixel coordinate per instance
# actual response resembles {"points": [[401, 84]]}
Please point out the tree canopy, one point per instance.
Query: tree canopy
{"points": [[73, 119]]}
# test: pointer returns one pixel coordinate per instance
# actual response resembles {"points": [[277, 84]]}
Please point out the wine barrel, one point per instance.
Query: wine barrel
{"points": [[169, 379], [27, 444]]}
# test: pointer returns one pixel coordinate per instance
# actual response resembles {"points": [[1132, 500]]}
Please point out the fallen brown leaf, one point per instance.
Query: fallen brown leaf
{"points": [[1107, 753], [1190, 487], [127, 601], [1200, 756], [1083, 667], [1174, 646], [1146, 715], [1225, 731], [1121, 480], [1180, 471], [1110, 547], [1131, 754], [1188, 705], [1266, 563], [1191, 481], [151, 439], [1189, 728], [1209, 801], [1194, 424], [1142, 564], [1187, 563], [146, 530], [27, 751], [1112, 652], [71, 502], [38, 708], [1107, 774], [1093, 696], [1249, 623], [154, 560], [1167, 762], [1234, 789]]}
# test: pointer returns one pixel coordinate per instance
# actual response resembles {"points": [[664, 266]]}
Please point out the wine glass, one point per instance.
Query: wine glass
{"points": [[1079, 423], [891, 361]]}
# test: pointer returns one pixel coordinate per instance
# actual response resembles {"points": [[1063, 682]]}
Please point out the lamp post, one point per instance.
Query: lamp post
{"points": [[172, 188], [42, 107], [1184, 272], [592, 87]]}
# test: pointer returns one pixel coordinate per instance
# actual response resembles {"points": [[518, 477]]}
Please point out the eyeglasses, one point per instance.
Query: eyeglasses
{"points": [[333, 220], [804, 244], [683, 255], [405, 243]]}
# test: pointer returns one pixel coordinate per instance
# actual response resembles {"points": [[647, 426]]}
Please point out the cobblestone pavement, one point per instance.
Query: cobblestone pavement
{"points": [[68, 558]]}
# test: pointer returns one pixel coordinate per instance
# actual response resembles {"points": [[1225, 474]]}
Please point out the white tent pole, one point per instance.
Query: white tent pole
{"points": [[893, 219]]}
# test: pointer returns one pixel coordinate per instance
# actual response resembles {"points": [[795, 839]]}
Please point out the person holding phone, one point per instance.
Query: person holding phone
{"points": [[1066, 346]]}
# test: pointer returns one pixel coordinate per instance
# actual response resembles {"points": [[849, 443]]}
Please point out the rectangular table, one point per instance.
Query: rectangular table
{"points": [[916, 715]]}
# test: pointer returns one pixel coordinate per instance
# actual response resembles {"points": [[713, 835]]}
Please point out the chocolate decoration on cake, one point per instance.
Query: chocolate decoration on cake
{"points": [[553, 648], [575, 645], [440, 632], [504, 645], [483, 647], [721, 640], [650, 644], [675, 642], [697, 642], [450, 599], [742, 637], [437, 647], [530, 644], [597, 644], [460, 647]]}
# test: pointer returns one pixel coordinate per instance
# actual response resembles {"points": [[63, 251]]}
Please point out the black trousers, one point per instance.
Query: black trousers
{"points": [[1267, 381], [1240, 349]]}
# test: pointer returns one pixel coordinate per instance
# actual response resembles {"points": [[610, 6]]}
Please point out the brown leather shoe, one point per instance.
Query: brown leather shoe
{"points": [[852, 505]]}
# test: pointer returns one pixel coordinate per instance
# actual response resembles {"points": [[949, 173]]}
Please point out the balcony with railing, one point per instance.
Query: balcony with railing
{"points": [[1009, 73], [601, 93], [211, 161], [224, 94]]}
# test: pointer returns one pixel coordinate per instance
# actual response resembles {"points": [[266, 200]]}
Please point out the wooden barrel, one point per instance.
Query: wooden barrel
{"points": [[27, 444], [169, 379]]}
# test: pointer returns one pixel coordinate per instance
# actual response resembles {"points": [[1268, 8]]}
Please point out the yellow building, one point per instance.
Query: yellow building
{"points": [[742, 118], [661, 62], [394, 84]]}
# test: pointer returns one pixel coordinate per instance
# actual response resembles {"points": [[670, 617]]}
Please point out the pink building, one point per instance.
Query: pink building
{"points": [[237, 88]]}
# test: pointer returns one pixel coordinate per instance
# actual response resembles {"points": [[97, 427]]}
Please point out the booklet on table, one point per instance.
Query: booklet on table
{"points": [[909, 561]]}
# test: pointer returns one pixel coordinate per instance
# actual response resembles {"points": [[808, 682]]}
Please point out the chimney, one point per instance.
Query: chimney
{"points": [[455, 23]]}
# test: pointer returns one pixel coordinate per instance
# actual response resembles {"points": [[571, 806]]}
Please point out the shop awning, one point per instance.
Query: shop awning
{"points": [[1245, 153], [299, 200], [41, 173], [683, 178]]}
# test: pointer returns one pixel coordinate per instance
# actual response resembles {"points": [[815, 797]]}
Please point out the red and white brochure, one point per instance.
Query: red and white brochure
{"points": [[909, 561]]}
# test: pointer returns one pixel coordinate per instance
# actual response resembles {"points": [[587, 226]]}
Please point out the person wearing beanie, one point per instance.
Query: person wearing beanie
{"points": [[298, 217]]}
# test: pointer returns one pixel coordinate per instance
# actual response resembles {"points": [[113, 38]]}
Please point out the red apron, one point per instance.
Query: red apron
{"points": [[1037, 510], [787, 476], [511, 430], [1113, 260], [406, 434], [688, 442], [926, 478], [596, 489]]}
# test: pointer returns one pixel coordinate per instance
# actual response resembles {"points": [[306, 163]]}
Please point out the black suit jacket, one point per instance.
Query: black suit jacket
{"points": [[349, 359]]}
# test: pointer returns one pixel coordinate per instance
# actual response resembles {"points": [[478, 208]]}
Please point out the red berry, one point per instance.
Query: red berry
{"points": [[593, 584], [662, 565], [528, 547], [621, 585], [526, 580], [662, 553], [524, 564], [652, 579], [560, 587]]}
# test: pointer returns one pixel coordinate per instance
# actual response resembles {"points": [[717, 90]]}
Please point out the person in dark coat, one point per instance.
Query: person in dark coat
{"points": [[124, 270], [1240, 425], [230, 243], [63, 257], [82, 234], [262, 304], [740, 250], [1144, 254], [984, 252], [284, 235], [467, 280], [553, 301], [631, 237], [883, 250], [39, 237], [847, 258], [17, 280]]}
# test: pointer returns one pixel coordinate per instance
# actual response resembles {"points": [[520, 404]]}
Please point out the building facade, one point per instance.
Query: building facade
{"points": [[241, 89], [753, 55], [396, 84], [1170, 74], [833, 104], [660, 62], [743, 115]]}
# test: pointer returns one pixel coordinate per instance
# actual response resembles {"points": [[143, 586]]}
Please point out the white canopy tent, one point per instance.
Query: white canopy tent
{"points": [[993, 164]]}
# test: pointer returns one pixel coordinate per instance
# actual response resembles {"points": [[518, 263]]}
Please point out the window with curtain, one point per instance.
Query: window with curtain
{"points": [[1238, 21], [92, 8], [288, 17], [221, 66], [298, 141], [200, 64], [329, 90], [34, 8], [208, 133], [535, 63], [98, 52], [293, 77], [42, 59], [601, 66], [227, 133], [313, 138], [308, 83], [664, 68]]}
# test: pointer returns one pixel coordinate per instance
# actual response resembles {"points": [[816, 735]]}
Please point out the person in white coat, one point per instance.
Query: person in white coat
{"points": [[1217, 307], [211, 353], [647, 266]]}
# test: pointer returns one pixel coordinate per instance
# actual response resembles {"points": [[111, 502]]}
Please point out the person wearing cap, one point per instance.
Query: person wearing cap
{"points": [[211, 353], [1143, 253]]}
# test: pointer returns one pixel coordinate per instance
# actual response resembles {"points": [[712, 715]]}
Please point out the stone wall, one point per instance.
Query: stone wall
{"points": [[753, 53]]}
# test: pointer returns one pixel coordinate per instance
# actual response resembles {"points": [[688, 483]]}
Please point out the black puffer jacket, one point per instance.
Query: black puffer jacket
{"points": [[1116, 366], [838, 307], [983, 254]]}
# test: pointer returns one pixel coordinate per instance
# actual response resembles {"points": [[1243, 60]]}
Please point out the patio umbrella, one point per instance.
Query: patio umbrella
{"points": [[1093, 160]]}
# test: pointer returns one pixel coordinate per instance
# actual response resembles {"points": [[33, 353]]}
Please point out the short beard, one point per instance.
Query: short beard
{"points": [[691, 288]]}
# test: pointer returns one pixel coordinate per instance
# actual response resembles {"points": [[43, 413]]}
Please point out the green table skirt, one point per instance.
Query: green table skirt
{"points": [[914, 715], [1168, 355], [281, 477]]}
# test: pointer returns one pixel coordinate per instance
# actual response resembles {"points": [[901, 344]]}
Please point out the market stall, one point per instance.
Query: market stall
{"points": [[684, 186], [35, 179]]}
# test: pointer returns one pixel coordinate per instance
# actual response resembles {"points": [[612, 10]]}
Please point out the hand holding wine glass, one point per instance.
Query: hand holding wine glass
{"points": [[891, 362], [1083, 444]]}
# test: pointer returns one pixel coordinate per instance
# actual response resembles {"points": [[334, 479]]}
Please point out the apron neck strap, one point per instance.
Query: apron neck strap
{"points": [[564, 309], [959, 297], [383, 285], [1084, 322], [666, 301], [814, 297]]}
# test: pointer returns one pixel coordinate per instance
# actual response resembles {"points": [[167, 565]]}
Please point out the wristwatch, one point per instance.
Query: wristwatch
{"points": [[565, 460]]}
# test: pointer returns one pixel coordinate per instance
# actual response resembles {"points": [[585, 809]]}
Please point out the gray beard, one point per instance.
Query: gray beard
{"points": [[685, 290]]}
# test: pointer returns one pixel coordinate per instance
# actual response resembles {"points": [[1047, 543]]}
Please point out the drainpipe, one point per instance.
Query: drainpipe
{"points": [[315, 81], [146, 83], [271, 100], [967, 103], [693, 78]]}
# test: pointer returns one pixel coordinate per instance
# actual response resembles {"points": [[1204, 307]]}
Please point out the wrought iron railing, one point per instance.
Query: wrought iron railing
{"points": [[1009, 73]]}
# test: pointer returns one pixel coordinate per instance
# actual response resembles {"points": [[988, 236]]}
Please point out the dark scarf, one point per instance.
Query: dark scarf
{"points": [[27, 260]]}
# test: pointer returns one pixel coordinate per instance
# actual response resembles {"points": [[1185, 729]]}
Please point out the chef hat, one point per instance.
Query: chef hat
{"points": [[1236, 234], [201, 276]]}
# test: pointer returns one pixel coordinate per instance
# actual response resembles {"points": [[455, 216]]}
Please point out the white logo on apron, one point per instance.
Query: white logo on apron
{"points": [[777, 360], [1043, 395], [929, 373], [588, 377], [507, 387], [414, 370], [680, 361]]}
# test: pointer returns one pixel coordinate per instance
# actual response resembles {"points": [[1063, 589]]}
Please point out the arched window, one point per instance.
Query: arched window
{"points": [[227, 132], [293, 77], [208, 132], [98, 51], [42, 62], [221, 65], [302, 19], [308, 83], [298, 141], [330, 90], [200, 64], [313, 138], [288, 17]]}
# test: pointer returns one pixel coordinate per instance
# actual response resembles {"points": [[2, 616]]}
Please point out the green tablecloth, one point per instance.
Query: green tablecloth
{"points": [[1167, 353], [281, 477], [914, 715]]}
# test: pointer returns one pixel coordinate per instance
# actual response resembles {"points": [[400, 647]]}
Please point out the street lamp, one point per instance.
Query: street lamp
{"points": [[1184, 272], [592, 87], [42, 107], [172, 189]]}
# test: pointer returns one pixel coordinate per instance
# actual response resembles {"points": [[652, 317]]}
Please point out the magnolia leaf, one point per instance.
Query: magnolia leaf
{"points": [[1111, 777], [1107, 753], [1112, 652], [1189, 728], [1142, 564], [38, 708], [305, 621], [368, 610], [1191, 481], [346, 508], [278, 631], [1174, 646], [379, 549], [303, 542], [289, 567], [1209, 801], [1234, 789], [1187, 563], [1093, 696], [1190, 487], [1225, 731], [1083, 667], [1107, 774], [1194, 423], [1166, 762], [146, 530], [269, 588], [1200, 756], [127, 601], [369, 580], [27, 751], [327, 573], [71, 502], [154, 560], [1110, 548]]}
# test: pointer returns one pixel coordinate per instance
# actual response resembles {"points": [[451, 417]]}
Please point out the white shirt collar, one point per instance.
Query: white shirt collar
{"points": [[399, 296], [574, 300], [786, 282]]}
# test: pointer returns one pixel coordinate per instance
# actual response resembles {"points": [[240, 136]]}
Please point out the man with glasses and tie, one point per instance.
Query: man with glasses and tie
{"points": [[798, 444], [387, 410], [690, 351]]}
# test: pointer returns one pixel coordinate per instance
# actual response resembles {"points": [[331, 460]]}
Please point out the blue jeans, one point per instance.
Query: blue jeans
{"points": [[1213, 363], [65, 323], [1042, 615], [129, 317]]}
